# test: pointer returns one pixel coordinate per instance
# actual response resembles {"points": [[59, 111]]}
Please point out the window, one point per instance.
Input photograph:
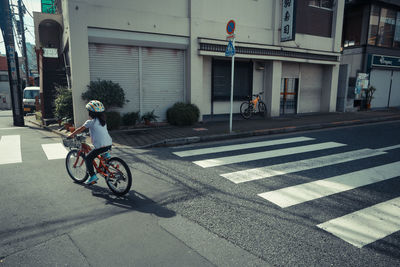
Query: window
{"points": [[352, 28], [221, 80], [321, 3], [3, 78], [384, 27], [387, 24], [373, 25], [396, 41]]}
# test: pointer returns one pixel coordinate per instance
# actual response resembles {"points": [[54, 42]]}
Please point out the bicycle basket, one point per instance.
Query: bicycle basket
{"points": [[71, 143]]}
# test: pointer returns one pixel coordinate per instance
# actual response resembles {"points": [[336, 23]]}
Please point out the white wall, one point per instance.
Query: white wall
{"points": [[161, 17], [257, 22]]}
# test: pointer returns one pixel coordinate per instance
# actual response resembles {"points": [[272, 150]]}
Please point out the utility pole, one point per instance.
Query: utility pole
{"points": [[21, 11], [8, 36]]}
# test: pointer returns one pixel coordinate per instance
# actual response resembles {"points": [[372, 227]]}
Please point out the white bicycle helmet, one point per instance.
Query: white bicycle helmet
{"points": [[95, 106]]}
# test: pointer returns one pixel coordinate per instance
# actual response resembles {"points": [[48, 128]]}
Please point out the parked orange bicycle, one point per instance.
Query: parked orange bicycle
{"points": [[114, 170], [249, 107]]}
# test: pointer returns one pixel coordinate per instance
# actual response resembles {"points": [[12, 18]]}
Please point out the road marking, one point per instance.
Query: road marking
{"points": [[202, 151], [10, 128], [388, 148], [297, 194], [301, 165], [10, 149], [265, 154], [365, 226], [55, 151]]}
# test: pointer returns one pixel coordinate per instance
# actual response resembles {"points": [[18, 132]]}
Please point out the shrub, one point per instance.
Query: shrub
{"points": [[109, 93], [183, 114], [149, 116], [64, 108], [130, 118], [113, 119]]}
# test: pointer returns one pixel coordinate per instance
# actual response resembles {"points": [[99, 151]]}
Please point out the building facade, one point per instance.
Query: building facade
{"points": [[371, 45], [5, 98], [162, 52]]}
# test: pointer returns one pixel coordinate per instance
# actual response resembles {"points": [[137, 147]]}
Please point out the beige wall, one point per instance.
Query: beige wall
{"points": [[257, 22]]}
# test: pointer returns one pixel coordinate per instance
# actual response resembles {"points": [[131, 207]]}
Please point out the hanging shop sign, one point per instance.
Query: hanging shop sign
{"points": [[50, 52], [288, 30], [384, 61]]}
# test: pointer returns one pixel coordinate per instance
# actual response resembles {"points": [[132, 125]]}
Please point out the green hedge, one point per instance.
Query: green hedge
{"points": [[182, 114], [63, 102], [113, 119], [109, 93], [130, 118]]}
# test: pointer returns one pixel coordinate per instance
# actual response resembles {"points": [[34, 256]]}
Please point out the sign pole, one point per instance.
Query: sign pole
{"points": [[230, 51], [232, 81], [12, 58]]}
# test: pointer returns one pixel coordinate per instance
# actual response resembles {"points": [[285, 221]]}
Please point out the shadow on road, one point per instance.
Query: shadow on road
{"points": [[134, 201]]}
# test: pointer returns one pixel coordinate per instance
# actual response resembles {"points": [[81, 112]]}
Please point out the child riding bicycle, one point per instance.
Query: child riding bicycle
{"points": [[99, 135]]}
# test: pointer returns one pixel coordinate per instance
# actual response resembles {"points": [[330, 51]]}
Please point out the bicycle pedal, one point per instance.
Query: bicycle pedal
{"points": [[92, 183]]}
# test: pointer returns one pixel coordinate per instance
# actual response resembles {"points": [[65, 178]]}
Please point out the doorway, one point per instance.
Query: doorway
{"points": [[289, 91]]}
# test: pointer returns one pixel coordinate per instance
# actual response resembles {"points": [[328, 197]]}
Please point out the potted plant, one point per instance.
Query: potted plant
{"points": [[369, 95], [149, 117]]}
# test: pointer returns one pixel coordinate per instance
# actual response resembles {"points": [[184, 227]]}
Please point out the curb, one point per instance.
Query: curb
{"points": [[218, 137], [46, 128], [290, 129]]}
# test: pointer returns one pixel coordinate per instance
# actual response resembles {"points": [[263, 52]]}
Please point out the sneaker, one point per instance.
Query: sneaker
{"points": [[92, 180]]}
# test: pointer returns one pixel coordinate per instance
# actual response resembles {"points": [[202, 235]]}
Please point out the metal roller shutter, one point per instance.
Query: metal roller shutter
{"points": [[380, 79], [395, 90], [119, 64], [310, 88], [163, 79]]}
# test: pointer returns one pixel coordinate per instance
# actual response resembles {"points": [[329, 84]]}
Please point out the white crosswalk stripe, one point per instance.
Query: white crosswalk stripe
{"points": [[291, 167], [265, 154], [55, 151], [359, 228], [202, 151], [10, 147], [290, 196], [368, 225]]}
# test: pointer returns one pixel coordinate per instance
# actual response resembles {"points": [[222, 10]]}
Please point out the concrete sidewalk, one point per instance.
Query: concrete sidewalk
{"points": [[168, 135]]}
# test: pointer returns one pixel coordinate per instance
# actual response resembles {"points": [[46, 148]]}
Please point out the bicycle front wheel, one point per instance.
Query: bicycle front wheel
{"points": [[262, 109], [118, 176], [246, 109], [76, 166]]}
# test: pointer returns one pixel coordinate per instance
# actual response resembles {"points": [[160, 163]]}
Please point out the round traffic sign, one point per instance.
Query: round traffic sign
{"points": [[230, 27]]}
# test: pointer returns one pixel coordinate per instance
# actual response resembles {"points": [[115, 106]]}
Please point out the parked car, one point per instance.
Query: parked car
{"points": [[29, 98]]}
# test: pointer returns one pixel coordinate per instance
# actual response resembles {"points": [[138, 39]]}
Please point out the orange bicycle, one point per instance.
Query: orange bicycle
{"points": [[114, 170], [249, 107]]}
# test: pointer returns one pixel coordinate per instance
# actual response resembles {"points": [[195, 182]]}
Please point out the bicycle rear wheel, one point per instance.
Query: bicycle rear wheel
{"points": [[246, 110], [76, 166], [118, 176], [262, 109]]}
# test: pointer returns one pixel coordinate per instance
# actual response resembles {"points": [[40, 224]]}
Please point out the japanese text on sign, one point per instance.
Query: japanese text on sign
{"points": [[288, 20]]}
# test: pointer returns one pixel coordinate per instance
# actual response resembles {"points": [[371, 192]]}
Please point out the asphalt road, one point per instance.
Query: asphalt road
{"points": [[289, 235], [183, 210]]}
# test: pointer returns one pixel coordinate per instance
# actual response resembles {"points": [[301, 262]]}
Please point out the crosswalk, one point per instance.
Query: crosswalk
{"points": [[11, 150], [359, 228]]}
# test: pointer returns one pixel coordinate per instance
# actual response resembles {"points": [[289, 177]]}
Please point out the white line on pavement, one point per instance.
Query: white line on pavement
{"points": [[297, 194], [55, 151], [365, 226], [10, 149], [301, 165], [265, 154], [202, 151]]}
